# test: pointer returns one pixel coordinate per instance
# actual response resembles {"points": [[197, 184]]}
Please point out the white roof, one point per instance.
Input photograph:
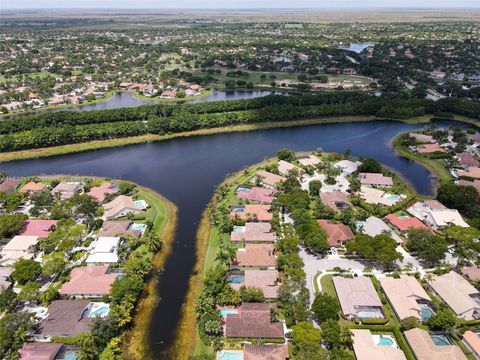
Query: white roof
{"points": [[284, 167], [102, 258], [20, 243], [448, 217], [308, 160], [104, 244], [375, 226], [11, 257], [348, 166]]}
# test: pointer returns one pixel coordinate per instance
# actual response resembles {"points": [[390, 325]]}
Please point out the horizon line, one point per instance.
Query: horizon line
{"points": [[399, 7]]}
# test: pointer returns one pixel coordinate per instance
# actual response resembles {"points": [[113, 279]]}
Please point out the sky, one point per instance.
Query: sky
{"points": [[235, 4]]}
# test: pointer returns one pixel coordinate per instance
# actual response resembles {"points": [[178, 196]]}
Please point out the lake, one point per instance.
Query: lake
{"points": [[357, 47], [186, 170], [125, 99]]}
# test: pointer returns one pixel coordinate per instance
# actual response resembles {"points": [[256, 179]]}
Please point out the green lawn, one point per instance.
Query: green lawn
{"points": [[327, 286]]}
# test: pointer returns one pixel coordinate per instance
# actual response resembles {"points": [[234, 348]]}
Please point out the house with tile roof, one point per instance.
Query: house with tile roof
{"points": [[424, 348], [255, 256], [268, 179], [405, 223], [337, 234], [365, 347], [265, 352], [253, 232], [89, 282], [251, 212], [257, 194], [266, 280], [40, 228]]}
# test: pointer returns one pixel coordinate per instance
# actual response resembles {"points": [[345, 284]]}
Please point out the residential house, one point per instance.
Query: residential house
{"points": [[335, 200], [376, 196], [337, 234], [374, 226], [407, 296], [100, 192], [33, 187], [467, 160], [284, 167], [252, 232], [471, 339], [40, 228], [309, 160], [459, 294], [430, 149], [253, 320], [471, 272], [39, 351], [118, 228], [251, 212], [268, 179], [422, 138], [404, 223], [65, 318], [5, 282], [375, 180], [366, 348], [475, 183], [265, 280], [265, 352], [257, 194], [20, 247], [471, 172], [89, 282], [66, 190], [8, 185], [436, 215], [358, 298], [121, 206], [348, 167], [103, 251], [255, 256], [424, 348]]}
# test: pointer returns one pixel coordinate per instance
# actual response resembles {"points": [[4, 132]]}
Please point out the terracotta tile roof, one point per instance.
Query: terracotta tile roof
{"points": [[100, 192], [284, 167], [472, 340], [336, 233], [430, 148], [112, 228], [67, 189], [256, 255], [356, 294], [475, 183], [40, 228], [366, 349], [253, 321], [88, 281], [376, 179], [33, 186], [65, 318], [258, 194], [254, 232], [405, 224], [118, 205], [270, 179], [472, 172], [8, 185], [467, 159], [265, 352], [266, 280], [471, 272], [39, 351], [251, 212], [425, 349]]}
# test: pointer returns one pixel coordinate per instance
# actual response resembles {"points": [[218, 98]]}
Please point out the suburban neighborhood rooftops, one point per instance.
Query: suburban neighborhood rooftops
{"points": [[430, 148], [337, 234], [355, 293], [335, 200], [100, 192], [309, 160], [89, 280], [472, 340], [265, 352], [285, 167], [457, 293], [472, 172], [475, 183], [119, 205], [405, 223], [467, 159], [375, 179], [116, 228], [20, 243], [257, 193], [375, 226], [39, 351], [65, 318], [253, 232], [251, 212], [8, 185], [253, 321], [270, 179], [435, 214], [256, 255], [67, 189], [266, 280], [403, 294], [40, 228], [422, 138], [366, 349], [33, 186], [347, 166], [471, 272], [425, 349]]}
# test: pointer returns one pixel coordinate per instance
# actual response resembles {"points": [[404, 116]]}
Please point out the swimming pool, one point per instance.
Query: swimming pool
{"points": [[140, 203], [243, 189], [440, 340], [236, 279], [230, 355], [99, 310], [225, 312], [70, 355], [393, 197], [426, 313], [384, 340], [138, 227], [239, 229]]}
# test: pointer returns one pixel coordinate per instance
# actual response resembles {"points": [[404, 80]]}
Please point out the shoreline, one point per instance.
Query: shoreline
{"points": [[119, 142]]}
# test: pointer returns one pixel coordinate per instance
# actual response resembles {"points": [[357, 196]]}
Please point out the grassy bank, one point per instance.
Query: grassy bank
{"points": [[438, 169], [100, 144], [164, 215]]}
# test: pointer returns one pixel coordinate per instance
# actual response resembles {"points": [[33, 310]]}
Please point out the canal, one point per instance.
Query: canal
{"points": [[186, 170]]}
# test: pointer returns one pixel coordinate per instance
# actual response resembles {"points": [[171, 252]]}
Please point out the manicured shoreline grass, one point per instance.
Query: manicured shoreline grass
{"points": [[135, 341], [117, 142], [435, 166]]}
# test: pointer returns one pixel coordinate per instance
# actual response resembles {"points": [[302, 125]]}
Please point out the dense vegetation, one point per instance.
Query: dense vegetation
{"points": [[50, 129]]}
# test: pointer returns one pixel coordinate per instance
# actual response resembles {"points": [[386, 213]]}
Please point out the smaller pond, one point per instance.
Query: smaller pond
{"points": [[357, 47]]}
